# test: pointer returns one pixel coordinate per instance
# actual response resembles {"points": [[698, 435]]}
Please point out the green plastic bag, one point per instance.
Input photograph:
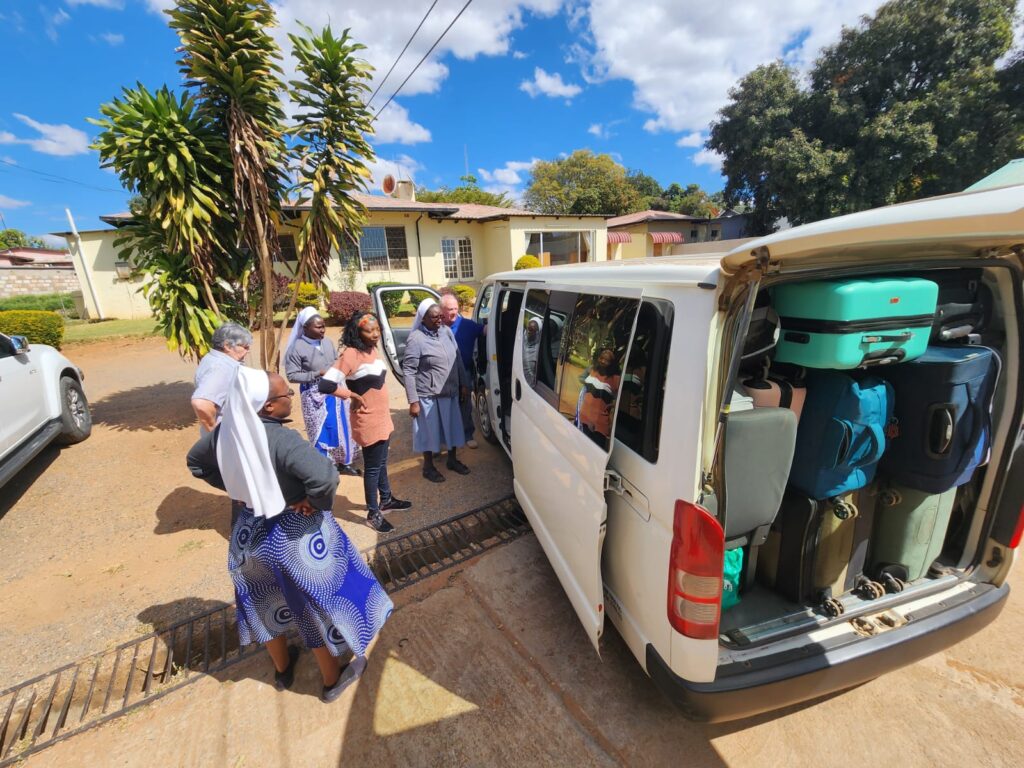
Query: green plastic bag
{"points": [[732, 575]]}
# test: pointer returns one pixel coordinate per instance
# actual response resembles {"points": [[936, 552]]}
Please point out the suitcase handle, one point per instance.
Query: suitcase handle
{"points": [[941, 425], [894, 338]]}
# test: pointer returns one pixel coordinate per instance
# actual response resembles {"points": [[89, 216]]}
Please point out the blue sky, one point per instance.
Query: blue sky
{"points": [[513, 82]]}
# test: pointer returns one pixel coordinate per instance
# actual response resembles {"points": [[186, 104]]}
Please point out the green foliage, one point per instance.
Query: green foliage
{"points": [[468, 192], [307, 294], [37, 327], [63, 303], [392, 300], [15, 238], [909, 103], [583, 183], [527, 262], [184, 321], [465, 294]]}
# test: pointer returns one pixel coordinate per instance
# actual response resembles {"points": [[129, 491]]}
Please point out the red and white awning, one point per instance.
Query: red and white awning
{"points": [[666, 237], [620, 237]]}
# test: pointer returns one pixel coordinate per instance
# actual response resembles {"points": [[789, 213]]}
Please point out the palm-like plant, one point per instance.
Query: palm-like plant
{"points": [[330, 127], [231, 60]]}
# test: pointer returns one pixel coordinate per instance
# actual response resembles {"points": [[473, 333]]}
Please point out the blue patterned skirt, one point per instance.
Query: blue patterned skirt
{"points": [[300, 570], [328, 424]]}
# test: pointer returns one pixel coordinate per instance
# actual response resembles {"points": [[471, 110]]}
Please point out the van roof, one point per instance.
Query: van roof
{"points": [[962, 223]]}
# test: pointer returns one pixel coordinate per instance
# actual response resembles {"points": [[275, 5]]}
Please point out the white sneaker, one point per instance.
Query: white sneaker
{"points": [[472, 444]]}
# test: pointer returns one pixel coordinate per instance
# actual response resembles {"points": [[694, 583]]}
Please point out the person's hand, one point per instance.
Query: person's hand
{"points": [[463, 394], [414, 409], [323, 372], [304, 507], [356, 401]]}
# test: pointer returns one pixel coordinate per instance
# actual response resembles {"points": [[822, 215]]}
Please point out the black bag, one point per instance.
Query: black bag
{"points": [[965, 304]]}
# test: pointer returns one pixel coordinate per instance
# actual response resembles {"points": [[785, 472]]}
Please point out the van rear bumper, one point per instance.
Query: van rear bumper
{"points": [[746, 689]]}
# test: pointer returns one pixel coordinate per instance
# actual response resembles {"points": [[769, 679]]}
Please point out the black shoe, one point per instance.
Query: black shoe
{"points": [[283, 680], [457, 466], [352, 672], [348, 469], [376, 521], [394, 505]]}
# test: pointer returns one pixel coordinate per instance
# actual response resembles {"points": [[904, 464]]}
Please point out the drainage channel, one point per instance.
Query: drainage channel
{"points": [[52, 707]]}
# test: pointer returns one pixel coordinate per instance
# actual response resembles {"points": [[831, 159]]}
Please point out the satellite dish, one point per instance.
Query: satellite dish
{"points": [[387, 185]]}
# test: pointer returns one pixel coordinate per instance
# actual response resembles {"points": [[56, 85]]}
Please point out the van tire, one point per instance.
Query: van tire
{"points": [[76, 421], [483, 416]]}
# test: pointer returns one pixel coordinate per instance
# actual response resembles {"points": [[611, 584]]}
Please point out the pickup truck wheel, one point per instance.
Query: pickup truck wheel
{"points": [[77, 421], [483, 416]]}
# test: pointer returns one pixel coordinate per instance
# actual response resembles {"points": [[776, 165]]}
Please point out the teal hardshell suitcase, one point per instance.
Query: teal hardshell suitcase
{"points": [[909, 531], [846, 324]]}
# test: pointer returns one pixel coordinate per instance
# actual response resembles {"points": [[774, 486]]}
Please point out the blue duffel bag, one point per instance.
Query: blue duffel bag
{"points": [[941, 432], [841, 435]]}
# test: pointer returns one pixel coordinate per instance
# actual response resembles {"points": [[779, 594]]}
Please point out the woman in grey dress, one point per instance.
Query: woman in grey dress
{"points": [[307, 357], [435, 383]]}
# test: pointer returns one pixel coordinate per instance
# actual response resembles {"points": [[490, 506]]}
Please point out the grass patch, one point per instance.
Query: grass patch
{"points": [[75, 332], [45, 302], [191, 546]]}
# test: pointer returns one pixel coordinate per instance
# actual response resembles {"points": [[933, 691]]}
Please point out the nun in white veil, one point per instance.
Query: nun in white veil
{"points": [[291, 564], [307, 357]]}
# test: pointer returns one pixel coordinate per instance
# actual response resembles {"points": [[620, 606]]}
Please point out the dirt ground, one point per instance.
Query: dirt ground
{"points": [[488, 666], [103, 541]]}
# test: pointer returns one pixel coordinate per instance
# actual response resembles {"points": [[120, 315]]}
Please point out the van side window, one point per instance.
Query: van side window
{"points": [[594, 357], [643, 381], [533, 320], [483, 307]]}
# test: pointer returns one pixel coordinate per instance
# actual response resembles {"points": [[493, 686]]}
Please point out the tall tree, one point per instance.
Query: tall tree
{"points": [[231, 60], [468, 191], [906, 104], [582, 183], [15, 238]]}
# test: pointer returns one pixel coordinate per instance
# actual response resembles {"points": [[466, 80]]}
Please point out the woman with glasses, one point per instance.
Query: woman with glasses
{"points": [[290, 562], [307, 358]]}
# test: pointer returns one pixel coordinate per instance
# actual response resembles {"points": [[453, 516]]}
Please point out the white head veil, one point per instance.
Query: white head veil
{"points": [[421, 310], [242, 451], [540, 327], [305, 315]]}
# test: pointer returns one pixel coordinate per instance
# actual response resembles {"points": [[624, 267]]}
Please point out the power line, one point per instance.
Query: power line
{"points": [[407, 44], [420, 63], [53, 177]]}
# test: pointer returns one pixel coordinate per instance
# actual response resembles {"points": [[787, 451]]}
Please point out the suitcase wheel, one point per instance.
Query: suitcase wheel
{"points": [[890, 497], [868, 589], [843, 510], [832, 607], [892, 584]]}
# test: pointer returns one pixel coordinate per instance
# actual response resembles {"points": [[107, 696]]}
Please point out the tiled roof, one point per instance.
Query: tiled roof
{"points": [[643, 216]]}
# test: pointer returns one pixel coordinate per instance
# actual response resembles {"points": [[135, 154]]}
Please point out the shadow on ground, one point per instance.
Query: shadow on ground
{"points": [[155, 408], [162, 616], [11, 493], [186, 509]]}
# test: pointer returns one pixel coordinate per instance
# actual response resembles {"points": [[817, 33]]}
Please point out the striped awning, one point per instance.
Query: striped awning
{"points": [[620, 237], [666, 237]]}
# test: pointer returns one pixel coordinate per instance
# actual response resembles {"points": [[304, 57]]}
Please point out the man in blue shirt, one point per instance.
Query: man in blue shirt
{"points": [[466, 333]]}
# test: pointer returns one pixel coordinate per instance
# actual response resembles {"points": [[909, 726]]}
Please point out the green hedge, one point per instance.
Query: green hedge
{"points": [[393, 300], [309, 295], [43, 302], [527, 262], [465, 294], [38, 327]]}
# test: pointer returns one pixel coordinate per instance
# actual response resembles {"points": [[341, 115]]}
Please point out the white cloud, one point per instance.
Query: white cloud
{"points": [[549, 84], [10, 202], [159, 6], [596, 129], [710, 158], [604, 130], [508, 178], [114, 5], [519, 55], [54, 241], [401, 167], [684, 83], [694, 139], [53, 20], [112, 38], [61, 140], [395, 127]]}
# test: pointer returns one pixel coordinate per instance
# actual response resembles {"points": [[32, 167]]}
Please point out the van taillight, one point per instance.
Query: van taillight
{"points": [[695, 572], [1018, 532]]}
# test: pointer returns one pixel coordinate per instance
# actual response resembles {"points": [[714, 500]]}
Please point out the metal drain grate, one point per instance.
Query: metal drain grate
{"points": [[59, 704]]}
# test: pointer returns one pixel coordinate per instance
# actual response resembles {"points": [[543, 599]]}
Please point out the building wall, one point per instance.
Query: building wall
{"points": [[26, 281], [118, 298], [521, 226]]}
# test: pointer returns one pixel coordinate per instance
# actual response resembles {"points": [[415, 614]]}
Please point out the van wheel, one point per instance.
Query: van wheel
{"points": [[483, 416], [74, 415]]}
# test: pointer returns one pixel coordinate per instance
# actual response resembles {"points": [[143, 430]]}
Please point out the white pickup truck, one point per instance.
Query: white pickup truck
{"points": [[41, 401]]}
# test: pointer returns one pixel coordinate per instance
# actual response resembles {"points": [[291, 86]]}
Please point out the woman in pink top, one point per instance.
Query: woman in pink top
{"points": [[359, 375]]}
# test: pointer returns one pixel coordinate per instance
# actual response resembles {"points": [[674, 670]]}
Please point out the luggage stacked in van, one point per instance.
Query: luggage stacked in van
{"points": [[893, 417]]}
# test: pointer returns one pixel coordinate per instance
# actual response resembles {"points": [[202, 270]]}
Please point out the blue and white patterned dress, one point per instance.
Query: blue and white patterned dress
{"points": [[304, 570]]}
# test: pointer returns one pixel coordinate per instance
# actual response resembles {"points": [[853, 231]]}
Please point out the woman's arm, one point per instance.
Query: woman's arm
{"points": [[316, 472], [202, 461], [296, 367], [411, 366]]}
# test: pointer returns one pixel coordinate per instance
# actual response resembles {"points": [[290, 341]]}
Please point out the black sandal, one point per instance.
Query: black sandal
{"points": [[458, 466], [433, 475]]}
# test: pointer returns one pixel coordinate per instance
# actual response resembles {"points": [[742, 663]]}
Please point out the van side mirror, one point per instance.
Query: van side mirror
{"points": [[20, 345]]}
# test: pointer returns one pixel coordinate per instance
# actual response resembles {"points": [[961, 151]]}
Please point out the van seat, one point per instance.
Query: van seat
{"points": [[759, 446]]}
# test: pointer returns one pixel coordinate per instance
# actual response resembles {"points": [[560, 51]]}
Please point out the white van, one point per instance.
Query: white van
{"points": [[631, 500]]}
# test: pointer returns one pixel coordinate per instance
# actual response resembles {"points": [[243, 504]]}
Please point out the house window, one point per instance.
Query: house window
{"points": [[287, 246], [458, 258], [693, 234], [714, 234], [553, 248], [380, 249]]}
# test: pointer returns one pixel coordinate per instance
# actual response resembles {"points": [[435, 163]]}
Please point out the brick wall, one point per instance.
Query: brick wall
{"points": [[25, 281]]}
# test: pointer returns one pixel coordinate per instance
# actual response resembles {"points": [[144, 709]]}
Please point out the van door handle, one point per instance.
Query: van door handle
{"points": [[519, 390]]}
